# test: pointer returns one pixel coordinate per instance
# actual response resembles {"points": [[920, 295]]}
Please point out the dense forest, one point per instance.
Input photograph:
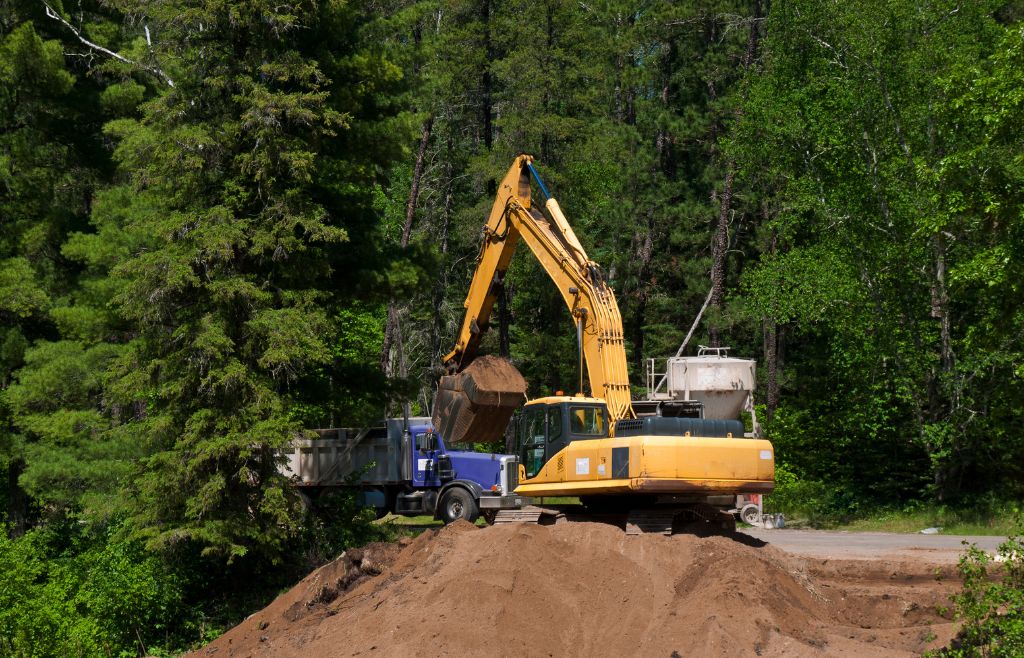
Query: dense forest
{"points": [[226, 222]]}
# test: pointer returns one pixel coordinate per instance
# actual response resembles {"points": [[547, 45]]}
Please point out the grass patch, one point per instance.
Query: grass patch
{"points": [[952, 521], [414, 525], [977, 518], [425, 520], [808, 503]]}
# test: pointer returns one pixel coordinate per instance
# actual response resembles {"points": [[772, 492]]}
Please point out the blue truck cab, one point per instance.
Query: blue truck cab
{"points": [[405, 468], [453, 484]]}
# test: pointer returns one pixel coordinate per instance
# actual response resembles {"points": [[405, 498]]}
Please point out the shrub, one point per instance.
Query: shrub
{"points": [[67, 591], [991, 607]]}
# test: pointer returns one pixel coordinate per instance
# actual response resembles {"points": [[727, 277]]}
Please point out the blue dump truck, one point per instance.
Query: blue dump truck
{"points": [[404, 467]]}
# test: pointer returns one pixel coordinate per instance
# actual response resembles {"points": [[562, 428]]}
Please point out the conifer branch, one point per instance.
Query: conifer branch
{"points": [[106, 51]]}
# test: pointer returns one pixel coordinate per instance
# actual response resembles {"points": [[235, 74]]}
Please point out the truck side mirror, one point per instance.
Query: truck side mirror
{"points": [[427, 442]]}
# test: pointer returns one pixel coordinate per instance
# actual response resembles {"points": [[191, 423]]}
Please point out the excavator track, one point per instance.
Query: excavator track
{"points": [[696, 518]]}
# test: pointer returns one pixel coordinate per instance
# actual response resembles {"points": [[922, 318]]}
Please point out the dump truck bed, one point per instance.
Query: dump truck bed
{"points": [[339, 452]]}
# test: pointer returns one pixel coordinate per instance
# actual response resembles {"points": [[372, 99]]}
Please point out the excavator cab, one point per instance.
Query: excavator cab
{"points": [[547, 425]]}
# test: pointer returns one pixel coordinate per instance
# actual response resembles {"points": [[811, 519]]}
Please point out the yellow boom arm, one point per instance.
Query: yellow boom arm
{"points": [[579, 280]]}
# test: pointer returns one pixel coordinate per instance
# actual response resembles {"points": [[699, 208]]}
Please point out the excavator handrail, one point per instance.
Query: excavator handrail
{"points": [[580, 281]]}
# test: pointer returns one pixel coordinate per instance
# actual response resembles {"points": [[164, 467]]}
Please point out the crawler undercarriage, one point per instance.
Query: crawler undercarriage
{"points": [[665, 519]]}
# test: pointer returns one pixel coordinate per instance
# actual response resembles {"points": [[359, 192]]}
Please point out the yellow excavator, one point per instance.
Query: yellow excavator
{"points": [[594, 447]]}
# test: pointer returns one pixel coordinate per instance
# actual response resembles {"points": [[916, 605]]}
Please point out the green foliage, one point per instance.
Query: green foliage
{"points": [[991, 603], [804, 286], [232, 299], [71, 461], [813, 500], [70, 593], [335, 523], [192, 274], [21, 295]]}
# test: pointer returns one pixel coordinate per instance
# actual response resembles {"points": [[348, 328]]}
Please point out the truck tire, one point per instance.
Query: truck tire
{"points": [[457, 503]]}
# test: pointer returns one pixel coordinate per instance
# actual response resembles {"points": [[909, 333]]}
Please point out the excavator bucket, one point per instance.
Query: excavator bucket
{"points": [[475, 405]]}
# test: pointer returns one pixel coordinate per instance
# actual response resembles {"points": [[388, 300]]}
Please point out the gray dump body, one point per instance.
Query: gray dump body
{"points": [[338, 453]]}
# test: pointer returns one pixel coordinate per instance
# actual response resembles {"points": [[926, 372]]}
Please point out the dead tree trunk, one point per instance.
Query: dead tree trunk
{"points": [[485, 97], [505, 294], [17, 501], [720, 249], [391, 328], [442, 277], [720, 239], [773, 355], [771, 364], [772, 346]]}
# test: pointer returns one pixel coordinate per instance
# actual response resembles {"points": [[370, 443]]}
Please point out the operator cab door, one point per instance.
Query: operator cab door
{"points": [[541, 435], [424, 460]]}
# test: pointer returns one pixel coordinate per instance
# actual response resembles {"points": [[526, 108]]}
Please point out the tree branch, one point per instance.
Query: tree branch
{"points": [[110, 53]]}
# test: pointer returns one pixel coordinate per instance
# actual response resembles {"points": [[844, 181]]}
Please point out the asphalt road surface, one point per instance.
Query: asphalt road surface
{"points": [[873, 545]]}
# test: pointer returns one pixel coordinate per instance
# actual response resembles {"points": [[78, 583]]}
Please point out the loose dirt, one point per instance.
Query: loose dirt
{"points": [[587, 589]]}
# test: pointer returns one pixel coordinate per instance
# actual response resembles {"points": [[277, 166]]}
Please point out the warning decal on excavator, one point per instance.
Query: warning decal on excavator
{"points": [[583, 466]]}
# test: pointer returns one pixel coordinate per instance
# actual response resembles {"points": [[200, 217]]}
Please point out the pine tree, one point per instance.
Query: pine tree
{"points": [[52, 106], [260, 164]]}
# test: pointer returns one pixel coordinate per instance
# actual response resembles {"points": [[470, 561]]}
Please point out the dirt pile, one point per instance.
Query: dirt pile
{"points": [[587, 589]]}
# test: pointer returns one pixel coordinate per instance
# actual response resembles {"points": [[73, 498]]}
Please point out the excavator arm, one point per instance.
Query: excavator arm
{"points": [[580, 281]]}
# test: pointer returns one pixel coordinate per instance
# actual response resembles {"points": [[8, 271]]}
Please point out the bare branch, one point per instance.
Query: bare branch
{"points": [[110, 53]]}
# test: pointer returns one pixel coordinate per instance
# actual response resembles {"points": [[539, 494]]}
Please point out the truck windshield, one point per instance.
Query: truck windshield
{"points": [[587, 420]]}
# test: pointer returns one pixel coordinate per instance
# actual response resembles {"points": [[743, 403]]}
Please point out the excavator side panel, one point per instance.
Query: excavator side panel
{"points": [[656, 465]]}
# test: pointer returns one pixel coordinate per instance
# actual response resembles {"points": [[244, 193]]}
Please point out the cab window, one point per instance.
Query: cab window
{"points": [[554, 424], [426, 441], [588, 421], [531, 441]]}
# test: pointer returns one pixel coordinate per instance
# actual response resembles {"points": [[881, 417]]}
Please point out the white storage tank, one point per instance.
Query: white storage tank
{"points": [[722, 383]]}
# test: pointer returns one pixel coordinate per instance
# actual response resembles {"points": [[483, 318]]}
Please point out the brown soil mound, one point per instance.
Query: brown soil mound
{"points": [[587, 589]]}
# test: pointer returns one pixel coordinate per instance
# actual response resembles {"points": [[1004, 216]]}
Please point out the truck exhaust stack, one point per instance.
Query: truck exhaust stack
{"points": [[475, 405]]}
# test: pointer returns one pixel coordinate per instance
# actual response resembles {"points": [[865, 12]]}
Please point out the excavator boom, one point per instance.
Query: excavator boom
{"points": [[580, 281]]}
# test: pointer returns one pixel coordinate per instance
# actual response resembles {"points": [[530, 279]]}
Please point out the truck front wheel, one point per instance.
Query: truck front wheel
{"points": [[457, 503]]}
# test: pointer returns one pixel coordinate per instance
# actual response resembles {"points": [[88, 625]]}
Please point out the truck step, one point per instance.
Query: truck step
{"points": [[529, 514], [517, 516], [409, 503], [641, 521]]}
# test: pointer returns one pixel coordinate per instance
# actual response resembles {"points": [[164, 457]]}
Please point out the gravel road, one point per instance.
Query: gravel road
{"points": [[873, 545]]}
